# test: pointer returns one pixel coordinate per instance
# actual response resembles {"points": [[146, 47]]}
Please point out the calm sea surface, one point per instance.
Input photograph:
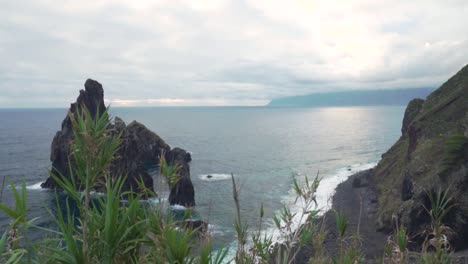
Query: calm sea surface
{"points": [[263, 147]]}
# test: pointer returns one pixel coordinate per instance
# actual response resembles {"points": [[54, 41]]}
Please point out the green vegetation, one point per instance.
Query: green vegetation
{"points": [[437, 235], [455, 150], [396, 250], [171, 173], [109, 229]]}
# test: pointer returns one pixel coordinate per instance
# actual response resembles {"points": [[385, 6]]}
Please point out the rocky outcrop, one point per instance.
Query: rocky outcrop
{"points": [[198, 225], [93, 99], [415, 164], [413, 108], [182, 193], [139, 149]]}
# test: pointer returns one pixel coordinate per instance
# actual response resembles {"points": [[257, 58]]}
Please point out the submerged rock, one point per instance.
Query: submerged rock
{"points": [[199, 225], [139, 149]]}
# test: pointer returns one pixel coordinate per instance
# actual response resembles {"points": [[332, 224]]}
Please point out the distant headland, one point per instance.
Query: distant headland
{"points": [[353, 98]]}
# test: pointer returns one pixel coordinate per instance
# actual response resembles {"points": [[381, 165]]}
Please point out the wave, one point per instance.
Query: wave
{"points": [[215, 177], [324, 193], [35, 186], [178, 207], [215, 230], [155, 200], [328, 185]]}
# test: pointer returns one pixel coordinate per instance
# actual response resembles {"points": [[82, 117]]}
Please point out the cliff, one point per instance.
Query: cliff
{"points": [[423, 161], [139, 149]]}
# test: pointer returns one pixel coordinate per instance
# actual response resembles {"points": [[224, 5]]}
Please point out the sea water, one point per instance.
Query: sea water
{"points": [[263, 147]]}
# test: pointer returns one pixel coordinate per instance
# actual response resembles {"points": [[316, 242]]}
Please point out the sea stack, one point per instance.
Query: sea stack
{"points": [[139, 149]]}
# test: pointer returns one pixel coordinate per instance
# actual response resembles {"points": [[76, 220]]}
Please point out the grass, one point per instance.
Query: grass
{"points": [[1, 190], [455, 150]]}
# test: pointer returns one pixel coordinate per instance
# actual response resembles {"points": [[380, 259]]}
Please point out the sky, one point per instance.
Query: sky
{"points": [[239, 52]]}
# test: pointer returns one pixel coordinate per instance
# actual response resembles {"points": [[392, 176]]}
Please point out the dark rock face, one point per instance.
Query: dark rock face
{"points": [[407, 188], [182, 193], [93, 98], [414, 165], [139, 149], [199, 225], [361, 179], [413, 108]]}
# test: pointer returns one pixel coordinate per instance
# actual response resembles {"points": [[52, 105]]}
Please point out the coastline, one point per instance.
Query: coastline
{"points": [[356, 198]]}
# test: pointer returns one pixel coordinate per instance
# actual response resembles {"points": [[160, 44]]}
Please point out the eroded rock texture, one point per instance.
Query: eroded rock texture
{"points": [[139, 149]]}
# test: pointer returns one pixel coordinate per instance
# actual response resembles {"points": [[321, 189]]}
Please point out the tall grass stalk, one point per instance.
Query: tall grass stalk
{"points": [[341, 226], [241, 228], [2, 188]]}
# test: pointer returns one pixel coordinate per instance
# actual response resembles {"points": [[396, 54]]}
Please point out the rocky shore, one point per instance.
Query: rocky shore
{"points": [[357, 199]]}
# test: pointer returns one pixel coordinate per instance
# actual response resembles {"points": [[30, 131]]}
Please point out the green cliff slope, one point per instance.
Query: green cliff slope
{"points": [[432, 153]]}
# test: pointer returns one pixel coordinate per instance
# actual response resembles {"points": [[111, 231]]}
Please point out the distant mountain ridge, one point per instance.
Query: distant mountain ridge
{"points": [[353, 98]]}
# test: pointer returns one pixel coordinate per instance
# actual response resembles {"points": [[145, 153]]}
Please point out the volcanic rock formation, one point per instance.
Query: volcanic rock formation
{"points": [[139, 149]]}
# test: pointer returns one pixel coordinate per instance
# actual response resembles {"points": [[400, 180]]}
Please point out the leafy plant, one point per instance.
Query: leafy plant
{"points": [[170, 172], [19, 225], [437, 236], [396, 250]]}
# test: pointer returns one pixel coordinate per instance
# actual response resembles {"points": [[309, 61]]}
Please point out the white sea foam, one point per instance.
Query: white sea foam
{"points": [[231, 254], [325, 191], [95, 194], [324, 194], [215, 230], [328, 185], [35, 186], [178, 207], [156, 200], [215, 177]]}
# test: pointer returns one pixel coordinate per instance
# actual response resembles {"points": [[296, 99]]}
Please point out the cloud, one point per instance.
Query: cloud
{"points": [[224, 52]]}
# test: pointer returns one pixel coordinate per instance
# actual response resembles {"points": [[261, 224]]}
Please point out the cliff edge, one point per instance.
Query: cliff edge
{"points": [[431, 155]]}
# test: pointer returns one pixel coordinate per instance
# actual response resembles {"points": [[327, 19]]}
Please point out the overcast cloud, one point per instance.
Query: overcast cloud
{"points": [[240, 52]]}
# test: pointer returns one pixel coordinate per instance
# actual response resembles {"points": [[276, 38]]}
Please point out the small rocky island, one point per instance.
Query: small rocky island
{"points": [[139, 149]]}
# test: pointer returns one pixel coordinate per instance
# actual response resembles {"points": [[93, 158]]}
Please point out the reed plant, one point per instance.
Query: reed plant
{"points": [[113, 227], [437, 244], [396, 250]]}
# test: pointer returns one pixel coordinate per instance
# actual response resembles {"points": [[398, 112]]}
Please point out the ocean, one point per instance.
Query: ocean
{"points": [[262, 146]]}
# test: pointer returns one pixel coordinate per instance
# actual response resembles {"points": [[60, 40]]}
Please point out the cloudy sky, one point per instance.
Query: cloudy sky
{"points": [[239, 52]]}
